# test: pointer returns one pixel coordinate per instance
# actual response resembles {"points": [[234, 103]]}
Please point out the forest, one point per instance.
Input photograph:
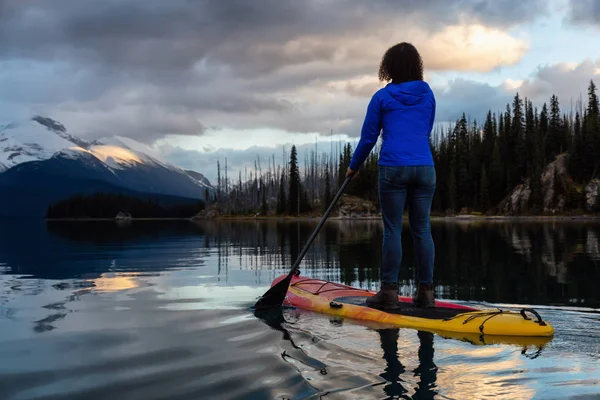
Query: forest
{"points": [[477, 165], [103, 205]]}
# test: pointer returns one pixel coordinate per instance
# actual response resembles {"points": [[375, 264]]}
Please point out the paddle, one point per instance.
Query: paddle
{"points": [[276, 294]]}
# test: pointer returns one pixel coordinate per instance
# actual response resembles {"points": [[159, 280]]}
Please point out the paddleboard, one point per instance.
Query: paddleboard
{"points": [[346, 301]]}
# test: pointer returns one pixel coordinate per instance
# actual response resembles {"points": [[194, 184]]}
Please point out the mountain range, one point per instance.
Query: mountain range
{"points": [[41, 163]]}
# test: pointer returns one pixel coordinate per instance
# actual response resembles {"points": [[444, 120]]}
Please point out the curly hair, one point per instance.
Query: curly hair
{"points": [[401, 63]]}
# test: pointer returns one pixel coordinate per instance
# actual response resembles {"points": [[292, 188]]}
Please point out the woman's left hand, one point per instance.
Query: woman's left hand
{"points": [[349, 172]]}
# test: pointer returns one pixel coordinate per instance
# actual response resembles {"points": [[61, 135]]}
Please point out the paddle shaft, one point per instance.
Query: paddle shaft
{"points": [[275, 296], [321, 223]]}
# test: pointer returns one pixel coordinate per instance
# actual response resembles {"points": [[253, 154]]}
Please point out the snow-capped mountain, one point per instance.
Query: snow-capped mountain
{"points": [[41, 153], [23, 142]]}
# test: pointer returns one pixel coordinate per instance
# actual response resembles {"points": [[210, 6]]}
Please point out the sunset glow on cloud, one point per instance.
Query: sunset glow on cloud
{"points": [[195, 78]]}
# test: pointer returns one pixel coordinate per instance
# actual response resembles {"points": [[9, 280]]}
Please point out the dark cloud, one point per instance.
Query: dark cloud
{"points": [[568, 82], [175, 34], [146, 68], [502, 13], [460, 96], [585, 11]]}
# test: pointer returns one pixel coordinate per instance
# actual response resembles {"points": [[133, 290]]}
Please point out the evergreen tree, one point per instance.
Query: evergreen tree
{"points": [[344, 163], [489, 137], [451, 167], [484, 191], [476, 158], [497, 176], [341, 170], [463, 178], [554, 144], [281, 197], [294, 183], [528, 146], [452, 190], [576, 156], [591, 134], [327, 195], [264, 208], [304, 205], [517, 168]]}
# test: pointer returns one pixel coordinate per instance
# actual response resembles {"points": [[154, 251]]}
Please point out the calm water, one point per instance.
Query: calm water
{"points": [[151, 310]]}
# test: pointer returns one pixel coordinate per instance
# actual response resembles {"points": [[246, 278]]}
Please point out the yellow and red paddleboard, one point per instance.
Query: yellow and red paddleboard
{"points": [[347, 301]]}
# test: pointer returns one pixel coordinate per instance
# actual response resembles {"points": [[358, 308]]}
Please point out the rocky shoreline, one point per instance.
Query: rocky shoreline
{"points": [[507, 218]]}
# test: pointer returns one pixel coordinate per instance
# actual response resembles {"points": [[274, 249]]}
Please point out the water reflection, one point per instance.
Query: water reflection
{"points": [[158, 307], [393, 385], [343, 361], [534, 263], [426, 371], [502, 262]]}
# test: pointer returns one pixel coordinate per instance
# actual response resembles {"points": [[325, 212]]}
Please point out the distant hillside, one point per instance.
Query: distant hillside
{"points": [[41, 163], [33, 202], [103, 205]]}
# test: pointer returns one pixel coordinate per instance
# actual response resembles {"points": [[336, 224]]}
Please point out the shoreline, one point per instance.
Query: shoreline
{"points": [[436, 218], [433, 218]]}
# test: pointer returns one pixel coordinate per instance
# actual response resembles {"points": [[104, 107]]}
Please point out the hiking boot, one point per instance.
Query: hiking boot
{"points": [[386, 298], [425, 296]]}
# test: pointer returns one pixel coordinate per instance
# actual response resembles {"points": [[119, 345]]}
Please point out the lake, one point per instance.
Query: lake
{"points": [[161, 310]]}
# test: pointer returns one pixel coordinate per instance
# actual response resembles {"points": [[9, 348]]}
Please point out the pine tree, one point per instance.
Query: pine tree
{"points": [[304, 205], [264, 209], [484, 191], [450, 170], [529, 141], [327, 195], [489, 137], [518, 167], [341, 170], [452, 190], [463, 178], [476, 160], [554, 144], [576, 156], [294, 183], [281, 198], [591, 134], [497, 176]]}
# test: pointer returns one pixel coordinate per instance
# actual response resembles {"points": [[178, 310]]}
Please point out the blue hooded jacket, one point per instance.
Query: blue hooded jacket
{"points": [[404, 114]]}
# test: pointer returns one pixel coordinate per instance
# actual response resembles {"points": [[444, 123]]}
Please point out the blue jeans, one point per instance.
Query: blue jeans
{"points": [[413, 186]]}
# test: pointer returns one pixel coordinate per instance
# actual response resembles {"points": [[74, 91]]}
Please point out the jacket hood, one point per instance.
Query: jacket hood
{"points": [[409, 93]]}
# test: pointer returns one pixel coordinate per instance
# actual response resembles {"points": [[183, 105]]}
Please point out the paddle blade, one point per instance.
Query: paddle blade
{"points": [[275, 296]]}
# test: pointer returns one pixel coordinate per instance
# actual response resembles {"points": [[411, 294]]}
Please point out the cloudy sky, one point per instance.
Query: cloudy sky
{"points": [[204, 80]]}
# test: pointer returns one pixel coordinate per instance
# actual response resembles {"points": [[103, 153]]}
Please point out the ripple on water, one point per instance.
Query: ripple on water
{"points": [[156, 315]]}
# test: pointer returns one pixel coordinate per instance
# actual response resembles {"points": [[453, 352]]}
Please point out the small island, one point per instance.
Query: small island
{"points": [[103, 206]]}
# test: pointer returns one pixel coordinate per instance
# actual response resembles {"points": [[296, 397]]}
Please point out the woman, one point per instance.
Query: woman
{"points": [[404, 111]]}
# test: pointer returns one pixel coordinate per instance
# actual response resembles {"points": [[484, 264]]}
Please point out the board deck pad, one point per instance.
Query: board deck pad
{"points": [[347, 301], [404, 308]]}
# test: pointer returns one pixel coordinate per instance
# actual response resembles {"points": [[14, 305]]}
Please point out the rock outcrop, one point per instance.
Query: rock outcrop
{"points": [[558, 190], [592, 195], [206, 214], [352, 206], [123, 216]]}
